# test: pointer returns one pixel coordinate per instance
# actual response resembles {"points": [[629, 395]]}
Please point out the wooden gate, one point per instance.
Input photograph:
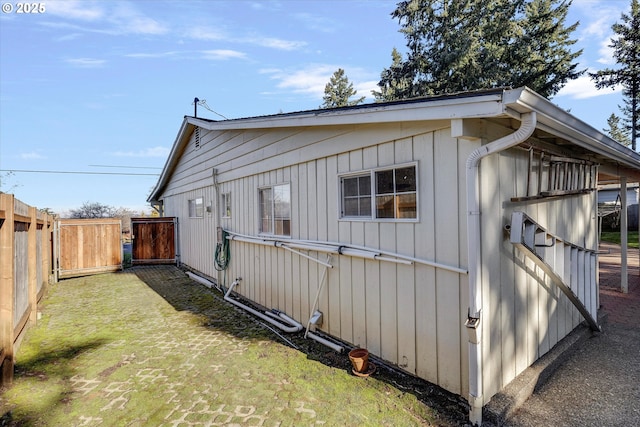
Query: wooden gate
{"points": [[88, 246], [154, 240]]}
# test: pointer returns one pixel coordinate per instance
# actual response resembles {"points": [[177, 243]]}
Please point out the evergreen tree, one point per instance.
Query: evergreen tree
{"points": [[395, 82], [616, 131], [338, 91], [626, 51], [463, 45]]}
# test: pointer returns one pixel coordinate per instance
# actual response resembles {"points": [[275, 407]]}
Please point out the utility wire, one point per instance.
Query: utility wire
{"points": [[79, 172], [124, 167]]}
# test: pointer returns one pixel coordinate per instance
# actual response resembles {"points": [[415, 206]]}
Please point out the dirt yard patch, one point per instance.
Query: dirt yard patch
{"points": [[148, 346]]}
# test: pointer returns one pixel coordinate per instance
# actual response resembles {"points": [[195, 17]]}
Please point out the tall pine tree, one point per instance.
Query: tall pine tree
{"points": [[462, 45], [616, 131], [626, 52], [338, 91]]}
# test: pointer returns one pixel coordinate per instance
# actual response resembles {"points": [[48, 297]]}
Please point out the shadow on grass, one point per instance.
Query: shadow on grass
{"points": [[184, 294], [46, 366]]}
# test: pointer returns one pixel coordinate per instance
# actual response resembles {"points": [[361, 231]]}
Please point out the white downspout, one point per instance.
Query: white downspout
{"points": [[527, 126]]}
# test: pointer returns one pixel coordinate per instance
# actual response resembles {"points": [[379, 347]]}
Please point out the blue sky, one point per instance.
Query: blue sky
{"points": [[103, 86]]}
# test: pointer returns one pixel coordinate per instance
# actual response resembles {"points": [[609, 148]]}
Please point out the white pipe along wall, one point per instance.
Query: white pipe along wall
{"points": [[527, 126]]}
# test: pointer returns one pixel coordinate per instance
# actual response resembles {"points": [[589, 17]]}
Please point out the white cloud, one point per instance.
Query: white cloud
{"points": [[86, 62], [312, 79], [153, 55], [275, 43], [148, 152], [309, 80], [205, 33], [129, 20], [75, 9], [121, 18], [32, 155], [222, 54], [582, 88], [215, 34]]}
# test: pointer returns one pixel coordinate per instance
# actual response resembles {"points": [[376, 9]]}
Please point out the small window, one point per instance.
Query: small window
{"points": [[196, 208], [226, 205], [275, 210], [356, 196], [380, 194]]}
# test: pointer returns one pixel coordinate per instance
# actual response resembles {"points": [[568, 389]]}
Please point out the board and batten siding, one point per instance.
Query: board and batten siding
{"points": [[412, 316], [525, 314]]}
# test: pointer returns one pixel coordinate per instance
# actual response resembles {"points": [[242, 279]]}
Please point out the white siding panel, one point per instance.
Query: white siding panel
{"points": [[425, 306], [447, 252]]}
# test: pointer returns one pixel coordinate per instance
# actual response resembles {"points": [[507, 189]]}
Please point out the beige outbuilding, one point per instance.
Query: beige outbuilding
{"points": [[453, 236]]}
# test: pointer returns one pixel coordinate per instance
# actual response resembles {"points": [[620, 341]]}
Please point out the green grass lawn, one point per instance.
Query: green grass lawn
{"points": [[150, 347], [614, 237]]}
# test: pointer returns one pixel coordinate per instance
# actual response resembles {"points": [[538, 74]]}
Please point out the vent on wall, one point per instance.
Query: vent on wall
{"points": [[196, 137]]}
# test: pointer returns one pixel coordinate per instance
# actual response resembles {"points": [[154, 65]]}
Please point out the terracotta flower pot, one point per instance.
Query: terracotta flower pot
{"points": [[359, 359]]}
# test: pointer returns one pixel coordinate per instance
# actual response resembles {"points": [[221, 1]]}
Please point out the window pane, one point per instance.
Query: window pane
{"points": [[364, 185], [384, 182], [384, 207], [350, 187], [199, 207], [365, 206], [266, 213], [282, 202], [406, 205], [351, 207], [226, 205], [406, 179]]}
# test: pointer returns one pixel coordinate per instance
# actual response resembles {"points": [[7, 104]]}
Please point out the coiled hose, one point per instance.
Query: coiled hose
{"points": [[223, 253]]}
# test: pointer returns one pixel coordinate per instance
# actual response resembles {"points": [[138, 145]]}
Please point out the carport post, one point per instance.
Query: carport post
{"points": [[624, 238]]}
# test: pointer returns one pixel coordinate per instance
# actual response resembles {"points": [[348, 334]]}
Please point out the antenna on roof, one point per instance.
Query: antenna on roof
{"points": [[203, 102]]}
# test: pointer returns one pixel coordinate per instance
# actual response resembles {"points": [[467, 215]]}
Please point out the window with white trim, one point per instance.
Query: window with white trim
{"points": [[226, 205], [389, 193], [275, 210], [196, 208]]}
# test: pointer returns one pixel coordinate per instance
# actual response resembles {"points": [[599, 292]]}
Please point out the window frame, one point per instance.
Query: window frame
{"points": [[273, 220], [226, 204], [372, 217], [198, 207]]}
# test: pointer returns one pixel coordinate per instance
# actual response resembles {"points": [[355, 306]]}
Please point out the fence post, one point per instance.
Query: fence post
{"points": [[32, 235], [7, 204], [47, 250]]}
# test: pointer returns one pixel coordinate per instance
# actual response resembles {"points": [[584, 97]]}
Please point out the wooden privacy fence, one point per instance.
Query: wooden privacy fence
{"points": [[87, 246], [25, 271]]}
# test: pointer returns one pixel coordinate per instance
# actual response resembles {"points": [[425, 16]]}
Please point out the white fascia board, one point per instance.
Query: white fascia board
{"points": [[556, 121], [170, 163], [488, 105]]}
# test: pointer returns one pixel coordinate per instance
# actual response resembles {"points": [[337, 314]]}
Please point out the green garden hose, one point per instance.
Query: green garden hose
{"points": [[223, 253]]}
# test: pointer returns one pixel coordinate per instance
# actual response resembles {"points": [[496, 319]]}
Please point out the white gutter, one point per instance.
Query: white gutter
{"points": [[527, 126]]}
